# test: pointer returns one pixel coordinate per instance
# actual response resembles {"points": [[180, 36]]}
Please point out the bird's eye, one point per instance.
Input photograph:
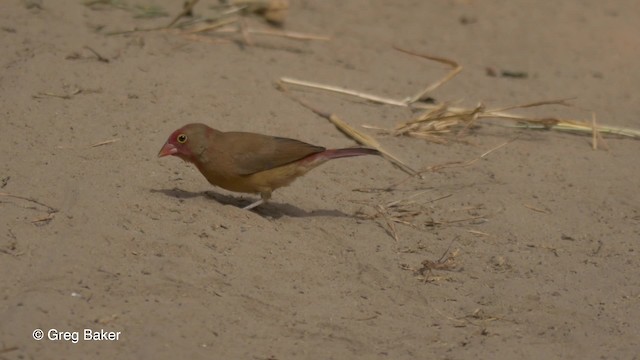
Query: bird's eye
{"points": [[182, 138]]}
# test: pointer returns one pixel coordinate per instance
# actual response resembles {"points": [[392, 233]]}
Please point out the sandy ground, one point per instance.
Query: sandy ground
{"points": [[544, 230]]}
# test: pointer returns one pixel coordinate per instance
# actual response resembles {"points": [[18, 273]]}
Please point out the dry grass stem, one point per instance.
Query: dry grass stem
{"points": [[454, 164], [286, 34], [340, 90], [420, 95], [406, 210], [396, 202], [43, 219], [537, 209], [351, 132], [576, 126], [596, 137], [50, 209], [442, 119], [106, 142], [479, 233], [479, 217], [213, 26], [392, 227], [369, 141], [562, 102], [344, 91], [383, 100], [61, 96], [274, 11], [289, 34], [97, 55], [439, 120], [457, 164]]}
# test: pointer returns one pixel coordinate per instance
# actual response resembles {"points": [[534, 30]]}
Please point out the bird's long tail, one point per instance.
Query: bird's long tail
{"points": [[347, 152], [318, 158], [321, 157]]}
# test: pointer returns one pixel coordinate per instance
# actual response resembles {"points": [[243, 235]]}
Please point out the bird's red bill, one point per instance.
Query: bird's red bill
{"points": [[168, 149]]}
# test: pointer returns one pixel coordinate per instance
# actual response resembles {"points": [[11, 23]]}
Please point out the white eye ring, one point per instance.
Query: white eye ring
{"points": [[182, 138]]}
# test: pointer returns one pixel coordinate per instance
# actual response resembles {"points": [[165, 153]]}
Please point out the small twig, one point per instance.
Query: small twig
{"points": [[531, 207], [50, 208], [106, 142], [463, 220], [562, 102], [65, 96], [45, 218], [100, 57], [499, 147], [446, 251], [476, 232], [440, 198]]}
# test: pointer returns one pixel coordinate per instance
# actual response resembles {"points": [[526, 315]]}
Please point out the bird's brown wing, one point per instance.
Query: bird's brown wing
{"points": [[252, 153]]}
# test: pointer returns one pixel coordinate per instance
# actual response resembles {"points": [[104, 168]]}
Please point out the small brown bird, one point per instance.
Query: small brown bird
{"points": [[247, 162]]}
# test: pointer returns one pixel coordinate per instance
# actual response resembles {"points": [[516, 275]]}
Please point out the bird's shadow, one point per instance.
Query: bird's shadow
{"points": [[270, 209]]}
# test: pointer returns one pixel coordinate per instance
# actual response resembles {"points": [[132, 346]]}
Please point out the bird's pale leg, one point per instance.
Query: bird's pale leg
{"points": [[254, 204], [265, 196]]}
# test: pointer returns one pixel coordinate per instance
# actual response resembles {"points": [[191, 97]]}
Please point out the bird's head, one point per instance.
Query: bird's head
{"points": [[187, 142]]}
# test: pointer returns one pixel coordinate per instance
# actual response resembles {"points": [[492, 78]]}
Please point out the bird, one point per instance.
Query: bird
{"points": [[248, 162]]}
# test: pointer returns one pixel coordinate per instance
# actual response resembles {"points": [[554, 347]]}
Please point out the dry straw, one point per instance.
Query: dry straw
{"points": [[230, 17], [353, 133], [435, 121]]}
